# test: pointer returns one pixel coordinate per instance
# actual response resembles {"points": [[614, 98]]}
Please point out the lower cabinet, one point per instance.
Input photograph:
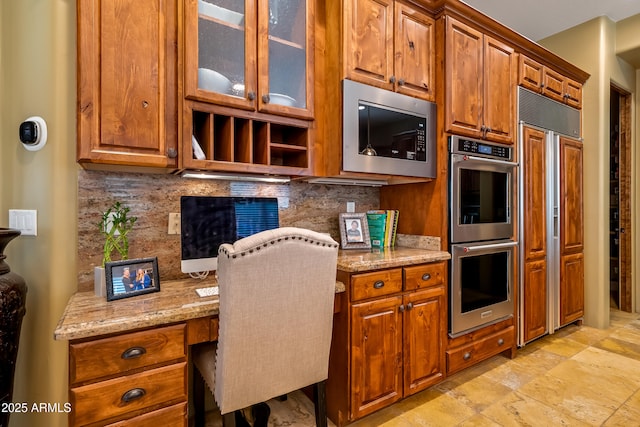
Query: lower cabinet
{"points": [[474, 347], [388, 339], [137, 378]]}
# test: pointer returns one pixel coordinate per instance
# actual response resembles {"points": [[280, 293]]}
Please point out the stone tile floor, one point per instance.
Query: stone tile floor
{"points": [[579, 376]]}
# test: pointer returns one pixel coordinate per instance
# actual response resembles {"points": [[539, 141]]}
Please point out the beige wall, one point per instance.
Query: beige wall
{"points": [[37, 77], [591, 46]]}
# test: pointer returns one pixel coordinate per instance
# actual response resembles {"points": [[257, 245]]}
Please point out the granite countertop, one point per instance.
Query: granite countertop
{"points": [[363, 260], [88, 315]]}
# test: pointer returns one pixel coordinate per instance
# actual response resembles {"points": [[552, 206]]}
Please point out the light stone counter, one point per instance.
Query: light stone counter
{"points": [[364, 260], [87, 315]]}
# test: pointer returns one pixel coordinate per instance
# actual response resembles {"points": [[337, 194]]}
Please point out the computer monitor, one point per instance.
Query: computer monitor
{"points": [[207, 222]]}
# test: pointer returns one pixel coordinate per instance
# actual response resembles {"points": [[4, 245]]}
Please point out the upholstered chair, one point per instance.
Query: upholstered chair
{"points": [[276, 291]]}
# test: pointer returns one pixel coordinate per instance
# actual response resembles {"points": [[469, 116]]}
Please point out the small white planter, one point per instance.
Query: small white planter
{"points": [[99, 282]]}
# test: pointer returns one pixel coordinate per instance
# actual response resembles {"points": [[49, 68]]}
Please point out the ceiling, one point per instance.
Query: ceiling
{"points": [[542, 18]]}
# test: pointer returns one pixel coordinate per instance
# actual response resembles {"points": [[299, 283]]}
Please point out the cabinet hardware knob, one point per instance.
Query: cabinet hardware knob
{"points": [[133, 353], [379, 284], [409, 306], [401, 308], [426, 276], [500, 341], [266, 99], [467, 356], [392, 79], [172, 153], [145, 104], [401, 82], [251, 95], [133, 394]]}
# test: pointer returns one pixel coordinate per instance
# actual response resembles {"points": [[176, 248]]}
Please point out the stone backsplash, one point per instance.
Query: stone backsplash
{"points": [[152, 197]]}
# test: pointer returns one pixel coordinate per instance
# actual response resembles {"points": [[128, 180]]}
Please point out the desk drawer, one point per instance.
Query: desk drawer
{"points": [[115, 355], [481, 349], [424, 276], [174, 416], [112, 398], [376, 284]]}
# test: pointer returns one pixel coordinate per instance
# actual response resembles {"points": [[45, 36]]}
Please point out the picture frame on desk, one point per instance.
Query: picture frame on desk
{"points": [[131, 277], [354, 231]]}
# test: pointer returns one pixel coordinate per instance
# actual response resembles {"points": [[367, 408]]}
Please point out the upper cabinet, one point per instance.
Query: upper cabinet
{"points": [[127, 83], [252, 54], [480, 74], [248, 86], [548, 82], [389, 44]]}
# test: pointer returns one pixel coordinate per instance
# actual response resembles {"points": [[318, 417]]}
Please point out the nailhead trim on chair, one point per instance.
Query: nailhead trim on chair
{"points": [[257, 248]]}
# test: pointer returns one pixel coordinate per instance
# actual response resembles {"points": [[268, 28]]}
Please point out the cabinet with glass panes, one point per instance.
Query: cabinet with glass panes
{"points": [[248, 85]]}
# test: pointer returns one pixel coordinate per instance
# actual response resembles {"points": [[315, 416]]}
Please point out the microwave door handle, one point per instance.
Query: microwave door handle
{"points": [[492, 246]]}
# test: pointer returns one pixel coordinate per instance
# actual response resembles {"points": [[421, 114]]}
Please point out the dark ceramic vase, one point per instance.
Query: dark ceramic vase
{"points": [[13, 296]]}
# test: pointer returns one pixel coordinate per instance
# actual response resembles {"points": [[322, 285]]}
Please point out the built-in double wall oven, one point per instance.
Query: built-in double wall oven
{"points": [[481, 230]]}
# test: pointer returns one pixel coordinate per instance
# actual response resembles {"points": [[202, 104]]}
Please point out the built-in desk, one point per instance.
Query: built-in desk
{"points": [[128, 359]]}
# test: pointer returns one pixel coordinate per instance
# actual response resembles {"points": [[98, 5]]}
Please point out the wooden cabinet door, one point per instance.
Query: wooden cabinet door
{"points": [[414, 46], [425, 328], [534, 297], [571, 197], [465, 79], [376, 355], [534, 194], [573, 92], [499, 83], [530, 74], [553, 85], [368, 41], [127, 82], [571, 287]]}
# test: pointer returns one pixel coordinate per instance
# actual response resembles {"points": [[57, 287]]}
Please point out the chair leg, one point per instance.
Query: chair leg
{"points": [[320, 403], [198, 399], [229, 419]]}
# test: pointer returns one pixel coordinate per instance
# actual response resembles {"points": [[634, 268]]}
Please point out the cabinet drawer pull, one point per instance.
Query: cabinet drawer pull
{"points": [[426, 276], [467, 356], [133, 352], [500, 341], [379, 284], [133, 394]]}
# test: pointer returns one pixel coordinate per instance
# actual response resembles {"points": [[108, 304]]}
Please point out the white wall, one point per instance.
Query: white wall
{"points": [[37, 77]]}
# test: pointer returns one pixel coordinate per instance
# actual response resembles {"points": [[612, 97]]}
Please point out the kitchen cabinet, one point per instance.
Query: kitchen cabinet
{"points": [[248, 86], [571, 231], [544, 80], [389, 339], [534, 297], [252, 54], [389, 44], [474, 347], [480, 75], [138, 378], [127, 83]]}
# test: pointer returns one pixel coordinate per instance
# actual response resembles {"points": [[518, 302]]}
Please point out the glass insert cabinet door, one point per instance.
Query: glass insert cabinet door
{"points": [[252, 54]]}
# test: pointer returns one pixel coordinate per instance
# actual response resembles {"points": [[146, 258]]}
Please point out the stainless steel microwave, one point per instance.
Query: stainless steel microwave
{"points": [[387, 133]]}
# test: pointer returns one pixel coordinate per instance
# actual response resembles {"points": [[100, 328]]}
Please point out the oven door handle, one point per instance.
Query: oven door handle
{"points": [[491, 246], [466, 158]]}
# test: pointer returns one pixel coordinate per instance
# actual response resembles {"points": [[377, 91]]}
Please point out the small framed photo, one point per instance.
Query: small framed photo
{"points": [[131, 277], [354, 231]]}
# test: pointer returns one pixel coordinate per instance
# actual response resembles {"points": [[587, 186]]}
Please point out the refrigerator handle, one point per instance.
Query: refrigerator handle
{"points": [[555, 221]]}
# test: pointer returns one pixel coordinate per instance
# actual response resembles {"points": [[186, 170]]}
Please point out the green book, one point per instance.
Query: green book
{"points": [[377, 221]]}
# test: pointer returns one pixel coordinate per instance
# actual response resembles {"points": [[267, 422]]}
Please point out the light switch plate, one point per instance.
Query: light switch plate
{"points": [[25, 220]]}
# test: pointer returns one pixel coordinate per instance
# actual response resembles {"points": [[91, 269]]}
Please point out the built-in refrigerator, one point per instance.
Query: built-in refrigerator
{"points": [[550, 218]]}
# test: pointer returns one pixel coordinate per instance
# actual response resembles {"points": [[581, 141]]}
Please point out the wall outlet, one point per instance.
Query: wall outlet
{"points": [[351, 207], [174, 223]]}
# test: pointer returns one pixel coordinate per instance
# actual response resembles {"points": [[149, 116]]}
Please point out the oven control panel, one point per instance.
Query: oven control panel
{"points": [[471, 146]]}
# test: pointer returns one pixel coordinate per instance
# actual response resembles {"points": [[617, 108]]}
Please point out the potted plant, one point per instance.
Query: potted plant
{"points": [[114, 225]]}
